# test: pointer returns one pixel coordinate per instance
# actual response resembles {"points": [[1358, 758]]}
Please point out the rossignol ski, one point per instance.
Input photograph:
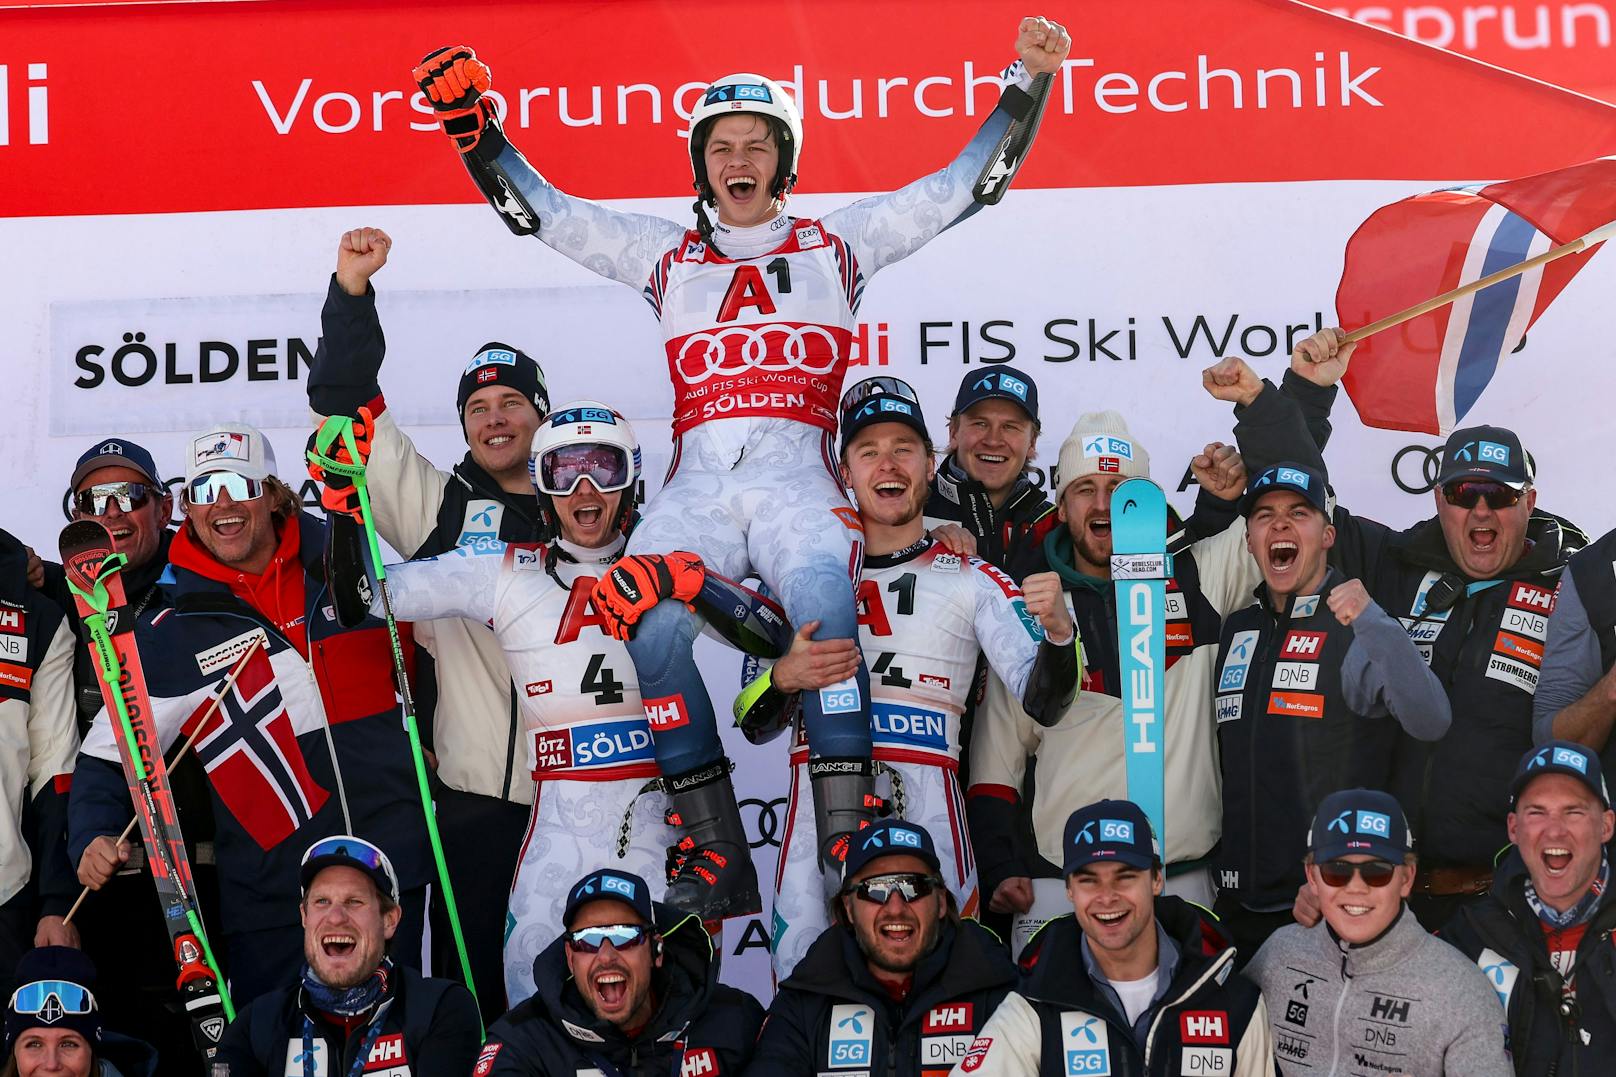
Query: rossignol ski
{"points": [[92, 575], [1139, 571]]}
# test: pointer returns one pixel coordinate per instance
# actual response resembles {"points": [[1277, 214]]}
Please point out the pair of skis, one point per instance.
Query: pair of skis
{"points": [[1140, 568], [93, 576]]}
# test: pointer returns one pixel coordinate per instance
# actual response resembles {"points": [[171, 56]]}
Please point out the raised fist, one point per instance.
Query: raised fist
{"points": [[1231, 379], [360, 253], [1042, 45], [452, 78], [1323, 357]]}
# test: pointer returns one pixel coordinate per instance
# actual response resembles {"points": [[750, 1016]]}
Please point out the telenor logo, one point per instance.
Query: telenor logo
{"points": [[1565, 757], [1374, 822]]}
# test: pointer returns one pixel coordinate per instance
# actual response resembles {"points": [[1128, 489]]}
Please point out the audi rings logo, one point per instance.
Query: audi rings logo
{"points": [[775, 348], [763, 819], [1415, 468]]}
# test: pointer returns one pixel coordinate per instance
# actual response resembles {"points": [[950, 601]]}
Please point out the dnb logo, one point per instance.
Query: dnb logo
{"points": [[851, 1028], [1087, 1043]]}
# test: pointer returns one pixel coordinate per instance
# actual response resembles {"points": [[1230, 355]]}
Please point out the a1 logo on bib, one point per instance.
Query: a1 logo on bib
{"points": [[1087, 1043]]}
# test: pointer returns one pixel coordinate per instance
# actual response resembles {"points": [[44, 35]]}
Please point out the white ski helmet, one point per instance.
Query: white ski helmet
{"points": [[746, 92], [585, 439]]}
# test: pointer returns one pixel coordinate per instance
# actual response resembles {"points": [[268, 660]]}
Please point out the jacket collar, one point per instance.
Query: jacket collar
{"points": [[482, 484], [301, 542], [1331, 577]]}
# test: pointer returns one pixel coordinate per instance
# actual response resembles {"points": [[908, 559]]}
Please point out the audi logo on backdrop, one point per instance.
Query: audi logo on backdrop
{"points": [[764, 819], [737, 349], [1415, 468]]}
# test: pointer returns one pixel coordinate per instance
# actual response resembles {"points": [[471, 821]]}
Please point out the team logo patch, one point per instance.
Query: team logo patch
{"points": [[387, 1054], [1087, 1043], [932, 680], [1508, 670], [1106, 445], [1237, 661], [538, 688], [699, 1062], [1207, 1062], [1526, 596], [1305, 645], [1501, 973], [1306, 606], [485, 1060], [1229, 708], [295, 1062], [851, 1028], [1296, 704], [1520, 648], [1110, 465], [946, 562], [1204, 1026], [223, 445], [14, 621], [226, 654], [840, 698], [493, 357], [810, 236], [1302, 676], [951, 1018], [14, 648], [976, 1055], [666, 712]]}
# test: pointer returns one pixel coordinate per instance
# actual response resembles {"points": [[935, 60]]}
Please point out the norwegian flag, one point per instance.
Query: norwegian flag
{"points": [[1427, 373], [250, 751]]}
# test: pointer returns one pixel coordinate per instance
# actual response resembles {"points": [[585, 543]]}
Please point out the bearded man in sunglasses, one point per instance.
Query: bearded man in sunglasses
{"points": [[1369, 991], [899, 985], [307, 742], [1473, 586], [631, 987]]}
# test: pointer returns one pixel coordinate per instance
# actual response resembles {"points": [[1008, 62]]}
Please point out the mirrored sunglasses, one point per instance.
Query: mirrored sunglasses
{"points": [[589, 940], [1338, 873], [129, 496], [878, 386], [49, 1000], [561, 469], [878, 889], [206, 489], [1466, 492], [352, 848]]}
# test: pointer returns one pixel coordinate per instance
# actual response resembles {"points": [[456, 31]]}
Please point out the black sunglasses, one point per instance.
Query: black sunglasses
{"points": [[878, 386], [878, 889], [1466, 492], [1338, 873]]}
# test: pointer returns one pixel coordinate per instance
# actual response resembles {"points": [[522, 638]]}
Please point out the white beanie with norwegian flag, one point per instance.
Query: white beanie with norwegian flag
{"points": [[1100, 444]]}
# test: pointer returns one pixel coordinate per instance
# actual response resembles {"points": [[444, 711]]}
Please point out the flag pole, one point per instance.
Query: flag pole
{"points": [[1598, 235]]}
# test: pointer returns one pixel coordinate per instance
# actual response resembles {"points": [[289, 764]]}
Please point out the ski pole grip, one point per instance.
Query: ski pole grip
{"points": [[333, 429]]}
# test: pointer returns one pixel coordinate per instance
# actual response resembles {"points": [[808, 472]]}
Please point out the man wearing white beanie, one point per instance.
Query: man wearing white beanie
{"points": [[1212, 575]]}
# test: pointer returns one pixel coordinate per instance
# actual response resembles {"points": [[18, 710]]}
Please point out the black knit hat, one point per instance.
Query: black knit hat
{"points": [[501, 364]]}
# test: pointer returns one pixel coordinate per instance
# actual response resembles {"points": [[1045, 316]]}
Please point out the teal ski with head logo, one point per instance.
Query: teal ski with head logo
{"points": [[1139, 571]]}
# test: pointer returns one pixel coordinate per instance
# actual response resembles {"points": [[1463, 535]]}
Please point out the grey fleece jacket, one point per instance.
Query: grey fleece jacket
{"points": [[1407, 1003]]}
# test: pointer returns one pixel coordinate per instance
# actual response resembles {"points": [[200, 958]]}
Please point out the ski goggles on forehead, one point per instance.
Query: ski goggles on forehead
{"points": [[878, 386], [51, 999], [560, 470], [589, 940], [349, 847], [1375, 873], [206, 489], [1466, 492], [129, 496], [878, 889]]}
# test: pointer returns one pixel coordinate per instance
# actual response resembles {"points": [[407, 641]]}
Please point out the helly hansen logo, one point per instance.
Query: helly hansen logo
{"points": [[1389, 1009], [1303, 644], [699, 1062], [666, 713], [1527, 597], [11, 621], [948, 1018], [389, 1048], [1204, 1026]]}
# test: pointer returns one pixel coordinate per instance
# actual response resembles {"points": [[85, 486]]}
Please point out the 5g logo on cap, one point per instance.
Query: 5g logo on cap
{"points": [[614, 885], [1374, 822], [1493, 452], [1565, 757], [1116, 830]]}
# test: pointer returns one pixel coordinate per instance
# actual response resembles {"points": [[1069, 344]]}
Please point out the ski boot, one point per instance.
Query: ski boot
{"points": [[710, 871], [844, 803]]}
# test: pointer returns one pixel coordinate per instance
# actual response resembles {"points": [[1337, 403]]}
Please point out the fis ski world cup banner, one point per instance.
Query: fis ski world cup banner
{"points": [[1199, 171]]}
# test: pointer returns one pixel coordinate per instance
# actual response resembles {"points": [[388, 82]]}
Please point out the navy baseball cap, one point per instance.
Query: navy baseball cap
{"points": [[1109, 830], [997, 383], [605, 884], [883, 407], [115, 452], [345, 850], [1360, 822], [1296, 477], [1560, 757], [1486, 452], [889, 837]]}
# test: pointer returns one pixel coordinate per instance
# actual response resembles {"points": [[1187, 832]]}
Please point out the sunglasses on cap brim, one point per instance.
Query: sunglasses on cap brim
{"points": [[1466, 492], [128, 496], [1338, 873], [878, 386], [52, 999], [207, 489], [589, 940], [878, 889], [356, 849]]}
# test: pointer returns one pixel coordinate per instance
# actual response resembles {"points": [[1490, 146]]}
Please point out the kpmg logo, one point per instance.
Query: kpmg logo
{"points": [[1116, 830]]}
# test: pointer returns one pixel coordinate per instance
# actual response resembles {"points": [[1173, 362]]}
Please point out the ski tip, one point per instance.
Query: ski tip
{"points": [[85, 544]]}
